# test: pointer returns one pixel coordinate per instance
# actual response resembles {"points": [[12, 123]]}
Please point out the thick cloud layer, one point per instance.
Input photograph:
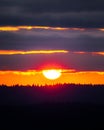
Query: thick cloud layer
{"points": [[38, 39], [70, 13]]}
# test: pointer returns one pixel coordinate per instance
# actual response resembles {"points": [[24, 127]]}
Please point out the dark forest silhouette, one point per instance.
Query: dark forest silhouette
{"points": [[82, 93], [56, 85], [75, 105]]}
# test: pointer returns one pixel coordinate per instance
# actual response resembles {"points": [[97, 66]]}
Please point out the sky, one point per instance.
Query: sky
{"points": [[68, 34]]}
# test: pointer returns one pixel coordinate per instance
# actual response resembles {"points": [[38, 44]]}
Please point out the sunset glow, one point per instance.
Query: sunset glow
{"points": [[51, 54], [36, 77]]}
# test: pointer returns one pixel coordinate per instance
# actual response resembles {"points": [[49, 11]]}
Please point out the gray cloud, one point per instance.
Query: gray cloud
{"points": [[88, 40], [80, 62], [73, 13], [54, 5], [64, 13]]}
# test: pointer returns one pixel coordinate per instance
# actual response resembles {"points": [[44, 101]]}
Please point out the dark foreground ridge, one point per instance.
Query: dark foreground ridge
{"points": [[59, 93], [68, 106]]}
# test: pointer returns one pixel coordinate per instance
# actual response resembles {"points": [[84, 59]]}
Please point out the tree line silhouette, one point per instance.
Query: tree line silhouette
{"points": [[30, 94], [68, 103], [54, 85]]}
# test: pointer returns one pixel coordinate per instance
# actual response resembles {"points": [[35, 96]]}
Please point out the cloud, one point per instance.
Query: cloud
{"points": [[73, 13], [76, 41], [89, 40], [14, 52], [79, 62]]}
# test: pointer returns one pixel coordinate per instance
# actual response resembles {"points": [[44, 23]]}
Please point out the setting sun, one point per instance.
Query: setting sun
{"points": [[52, 74]]}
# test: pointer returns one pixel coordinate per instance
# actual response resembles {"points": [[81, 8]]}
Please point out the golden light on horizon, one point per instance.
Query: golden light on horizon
{"points": [[36, 77]]}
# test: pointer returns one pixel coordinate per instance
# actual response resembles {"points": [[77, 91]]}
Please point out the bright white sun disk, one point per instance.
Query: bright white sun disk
{"points": [[52, 74]]}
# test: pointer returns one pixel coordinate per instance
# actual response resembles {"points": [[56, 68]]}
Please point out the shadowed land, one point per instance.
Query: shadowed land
{"points": [[59, 93], [76, 106]]}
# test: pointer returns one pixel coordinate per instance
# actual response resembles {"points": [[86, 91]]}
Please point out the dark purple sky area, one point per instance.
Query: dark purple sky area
{"points": [[87, 14]]}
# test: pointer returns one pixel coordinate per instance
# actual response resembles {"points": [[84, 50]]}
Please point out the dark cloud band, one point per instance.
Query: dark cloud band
{"points": [[65, 13], [40, 39]]}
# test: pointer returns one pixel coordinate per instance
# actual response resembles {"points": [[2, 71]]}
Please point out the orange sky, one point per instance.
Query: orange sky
{"points": [[36, 77]]}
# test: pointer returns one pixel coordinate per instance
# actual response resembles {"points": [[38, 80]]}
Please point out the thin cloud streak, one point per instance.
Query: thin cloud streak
{"points": [[15, 52], [34, 72], [98, 53], [92, 53], [27, 73], [18, 28]]}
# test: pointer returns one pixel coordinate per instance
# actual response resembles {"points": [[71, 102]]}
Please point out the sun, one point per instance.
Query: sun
{"points": [[52, 74]]}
